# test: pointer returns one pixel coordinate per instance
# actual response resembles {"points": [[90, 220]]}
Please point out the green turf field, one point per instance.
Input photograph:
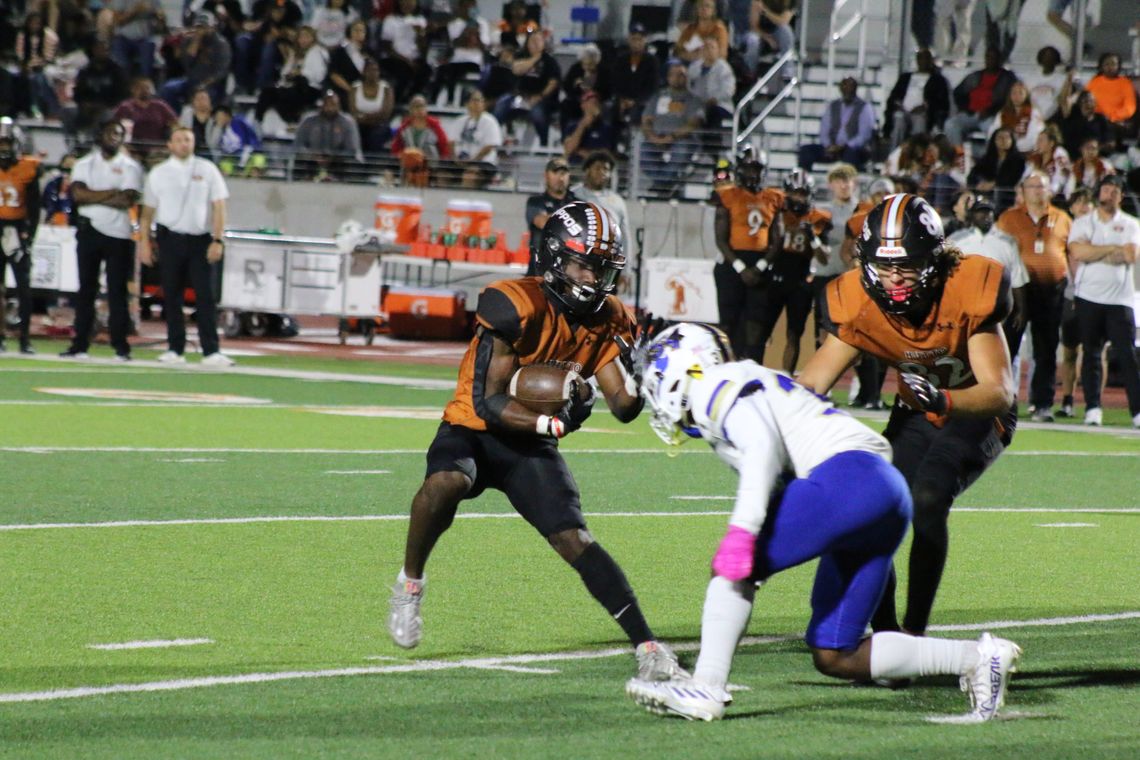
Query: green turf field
{"points": [[266, 520]]}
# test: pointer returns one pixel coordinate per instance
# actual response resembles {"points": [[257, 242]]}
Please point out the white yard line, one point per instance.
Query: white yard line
{"points": [[483, 663], [358, 472], [1066, 525], [152, 644]]}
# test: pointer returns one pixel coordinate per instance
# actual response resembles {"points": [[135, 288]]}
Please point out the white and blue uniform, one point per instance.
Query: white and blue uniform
{"points": [[844, 502]]}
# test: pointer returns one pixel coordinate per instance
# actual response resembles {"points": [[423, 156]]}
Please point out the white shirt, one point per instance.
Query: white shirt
{"points": [[1044, 91], [915, 94], [401, 32], [471, 136], [1100, 281], [181, 193], [119, 173], [457, 26], [995, 245], [779, 427]]}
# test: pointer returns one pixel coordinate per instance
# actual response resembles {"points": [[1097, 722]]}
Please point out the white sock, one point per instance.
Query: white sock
{"points": [[898, 655], [401, 577], [728, 606]]}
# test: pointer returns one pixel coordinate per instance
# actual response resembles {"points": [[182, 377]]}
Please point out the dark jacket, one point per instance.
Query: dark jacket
{"points": [[1005, 80], [935, 96]]}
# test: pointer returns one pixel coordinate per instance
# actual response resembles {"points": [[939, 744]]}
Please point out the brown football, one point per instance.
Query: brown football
{"points": [[542, 388]]}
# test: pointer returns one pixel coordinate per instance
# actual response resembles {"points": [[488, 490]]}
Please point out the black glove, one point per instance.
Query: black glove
{"points": [[930, 398], [578, 408]]}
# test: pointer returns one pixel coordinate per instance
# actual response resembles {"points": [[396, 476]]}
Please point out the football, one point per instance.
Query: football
{"points": [[542, 388]]}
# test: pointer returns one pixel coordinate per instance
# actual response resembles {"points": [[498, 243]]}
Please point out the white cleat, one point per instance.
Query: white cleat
{"points": [[217, 359], [986, 683], [170, 357], [656, 662], [1094, 416], [679, 696], [405, 624]]}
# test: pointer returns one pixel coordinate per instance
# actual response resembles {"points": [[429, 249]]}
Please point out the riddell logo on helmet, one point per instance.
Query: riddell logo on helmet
{"points": [[890, 252], [571, 226]]}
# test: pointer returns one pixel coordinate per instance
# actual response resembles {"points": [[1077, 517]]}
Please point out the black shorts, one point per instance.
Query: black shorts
{"points": [[528, 469], [949, 459], [1070, 331]]}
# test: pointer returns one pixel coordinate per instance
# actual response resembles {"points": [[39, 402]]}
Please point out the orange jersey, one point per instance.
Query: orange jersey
{"points": [[855, 223], [795, 238], [976, 295], [520, 313], [751, 215], [14, 184]]}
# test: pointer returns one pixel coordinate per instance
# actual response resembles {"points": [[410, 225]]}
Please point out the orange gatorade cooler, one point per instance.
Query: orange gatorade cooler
{"points": [[469, 218], [398, 217]]}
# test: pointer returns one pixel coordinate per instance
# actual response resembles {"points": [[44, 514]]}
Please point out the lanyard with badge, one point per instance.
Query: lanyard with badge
{"points": [[1039, 243]]}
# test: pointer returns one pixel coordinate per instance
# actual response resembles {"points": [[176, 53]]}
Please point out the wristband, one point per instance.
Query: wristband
{"points": [[763, 265], [549, 426], [816, 243], [739, 266]]}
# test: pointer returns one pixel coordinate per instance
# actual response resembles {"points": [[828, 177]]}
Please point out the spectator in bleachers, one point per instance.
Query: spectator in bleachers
{"points": [[538, 76], [919, 101], [467, 14], [36, 47], [1019, 115], [231, 19], [597, 187], [999, 170], [845, 130], [331, 22], [466, 57], [99, 87], [685, 12], [257, 54], [147, 118], [371, 104], [302, 74], [593, 131], [1089, 169], [959, 216], [517, 26], [346, 61], [1002, 19], [771, 24], [1050, 157], [667, 126], [403, 40], [136, 24], [198, 115], [205, 56], [712, 81], [952, 28], [979, 97], [499, 77], [907, 159], [940, 186], [327, 141], [1115, 96], [1045, 86], [58, 205], [1080, 122], [420, 140], [584, 75], [73, 21], [555, 194], [707, 24], [635, 76], [234, 144], [476, 140]]}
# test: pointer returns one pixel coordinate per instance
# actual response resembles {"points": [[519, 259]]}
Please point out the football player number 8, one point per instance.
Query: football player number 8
{"points": [[959, 372], [755, 222]]}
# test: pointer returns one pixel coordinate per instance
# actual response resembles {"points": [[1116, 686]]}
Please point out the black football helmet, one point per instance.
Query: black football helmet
{"points": [[798, 186], [7, 151], [586, 234], [749, 169], [905, 231]]}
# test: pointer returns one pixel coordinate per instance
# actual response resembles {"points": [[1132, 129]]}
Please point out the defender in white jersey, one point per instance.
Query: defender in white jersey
{"points": [[814, 482]]}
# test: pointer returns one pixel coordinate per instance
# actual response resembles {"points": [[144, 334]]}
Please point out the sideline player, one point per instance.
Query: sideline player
{"points": [[745, 212], [19, 217], [935, 316], [568, 317], [844, 503]]}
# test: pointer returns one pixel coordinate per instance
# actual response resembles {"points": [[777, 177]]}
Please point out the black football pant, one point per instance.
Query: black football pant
{"points": [[740, 307], [92, 250], [21, 263], [1044, 304], [938, 465], [181, 261], [1097, 323]]}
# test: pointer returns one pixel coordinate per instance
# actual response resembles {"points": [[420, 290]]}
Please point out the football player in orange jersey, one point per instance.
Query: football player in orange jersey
{"points": [[935, 316], [567, 317], [801, 237], [745, 212], [19, 217]]}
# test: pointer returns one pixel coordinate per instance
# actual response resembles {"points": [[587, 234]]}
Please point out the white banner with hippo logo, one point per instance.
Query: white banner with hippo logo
{"points": [[682, 290]]}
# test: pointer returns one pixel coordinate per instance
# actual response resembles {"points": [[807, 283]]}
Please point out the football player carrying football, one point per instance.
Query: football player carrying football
{"points": [[921, 307], [843, 502], [570, 318]]}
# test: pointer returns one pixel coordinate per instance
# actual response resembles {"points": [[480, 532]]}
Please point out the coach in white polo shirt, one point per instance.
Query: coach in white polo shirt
{"points": [[104, 184], [1104, 245], [185, 198]]}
